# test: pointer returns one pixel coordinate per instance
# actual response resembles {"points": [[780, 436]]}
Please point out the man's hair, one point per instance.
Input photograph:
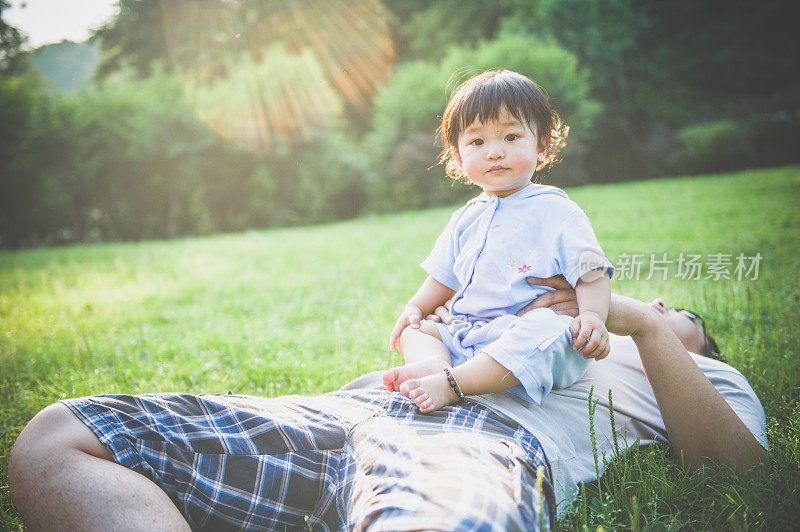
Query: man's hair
{"points": [[484, 97], [711, 348]]}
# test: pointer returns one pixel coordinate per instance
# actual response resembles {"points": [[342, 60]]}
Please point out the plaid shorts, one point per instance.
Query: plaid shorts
{"points": [[347, 460]]}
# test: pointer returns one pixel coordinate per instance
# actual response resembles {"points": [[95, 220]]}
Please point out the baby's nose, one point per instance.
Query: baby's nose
{"points": [[494, 152]]}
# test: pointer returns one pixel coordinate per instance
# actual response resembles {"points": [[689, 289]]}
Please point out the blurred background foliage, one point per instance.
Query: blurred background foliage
{"points": [[192, 117]]}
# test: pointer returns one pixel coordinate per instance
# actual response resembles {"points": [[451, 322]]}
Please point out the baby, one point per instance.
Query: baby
{"points": [[497, 130]]}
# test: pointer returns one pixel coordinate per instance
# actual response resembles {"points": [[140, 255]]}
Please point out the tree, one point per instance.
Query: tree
{"points": [[724, 52], [210, 42], [657, 66], [23, 205], [12, 59], [133, 40], [604, 35], [430, 32]]}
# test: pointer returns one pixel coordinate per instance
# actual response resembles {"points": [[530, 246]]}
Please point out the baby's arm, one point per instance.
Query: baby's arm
{"points": [[422, 349], [430, 295], [588, 330]]}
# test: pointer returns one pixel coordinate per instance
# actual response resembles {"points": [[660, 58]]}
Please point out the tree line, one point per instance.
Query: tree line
{"points": [[649, 88]]}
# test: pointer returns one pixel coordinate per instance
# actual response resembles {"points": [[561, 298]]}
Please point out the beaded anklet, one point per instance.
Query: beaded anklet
{"points": [[454, 385]]}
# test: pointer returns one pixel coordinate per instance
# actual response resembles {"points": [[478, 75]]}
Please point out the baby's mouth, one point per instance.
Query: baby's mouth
{"points": [[496, 169]]}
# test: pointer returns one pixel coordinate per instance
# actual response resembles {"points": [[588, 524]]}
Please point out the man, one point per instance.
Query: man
{"points": [[363, 458]]}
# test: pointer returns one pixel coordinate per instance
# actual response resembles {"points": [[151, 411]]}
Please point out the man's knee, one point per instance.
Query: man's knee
{"points": [[52, 432]]}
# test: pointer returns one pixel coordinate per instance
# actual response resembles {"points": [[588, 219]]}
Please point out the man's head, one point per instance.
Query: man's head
{"points": [[689, 328]]}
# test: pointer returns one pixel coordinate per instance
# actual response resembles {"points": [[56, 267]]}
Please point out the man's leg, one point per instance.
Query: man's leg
{"points": [[423, 352], [62, 477], [462, 468]]}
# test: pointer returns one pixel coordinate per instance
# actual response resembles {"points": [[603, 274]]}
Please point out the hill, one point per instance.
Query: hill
{"points": [[66, 65]]}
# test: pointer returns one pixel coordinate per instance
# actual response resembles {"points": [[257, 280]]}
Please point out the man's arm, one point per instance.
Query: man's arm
{"points": [[701, 425]]}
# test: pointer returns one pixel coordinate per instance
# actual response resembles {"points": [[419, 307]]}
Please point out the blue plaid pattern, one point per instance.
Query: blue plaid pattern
{"points": [[347, 460]]}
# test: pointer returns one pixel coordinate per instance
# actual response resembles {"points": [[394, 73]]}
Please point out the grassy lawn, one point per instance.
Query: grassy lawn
{"points": [[304, 310]]}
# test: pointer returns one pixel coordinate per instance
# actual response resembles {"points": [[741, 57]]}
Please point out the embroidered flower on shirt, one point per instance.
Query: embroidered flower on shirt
{"points": [[524, 268]]}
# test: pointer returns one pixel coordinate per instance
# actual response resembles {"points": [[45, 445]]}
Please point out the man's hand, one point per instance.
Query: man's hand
{"points": [[589, 336], [562, 300], [411, 316], [626, 316]]}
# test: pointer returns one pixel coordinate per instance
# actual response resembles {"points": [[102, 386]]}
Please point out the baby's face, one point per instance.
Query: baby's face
{"points": [[500, 156]]}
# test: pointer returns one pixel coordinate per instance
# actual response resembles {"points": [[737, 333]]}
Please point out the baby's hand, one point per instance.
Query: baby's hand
{"points": [[590, 336], [411, 315]]}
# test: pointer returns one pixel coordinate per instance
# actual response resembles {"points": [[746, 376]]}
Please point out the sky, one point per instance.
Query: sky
{"points": [[49, 21]]}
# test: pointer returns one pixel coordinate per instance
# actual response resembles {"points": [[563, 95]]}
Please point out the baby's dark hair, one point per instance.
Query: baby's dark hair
{"points": [[484, 97]]}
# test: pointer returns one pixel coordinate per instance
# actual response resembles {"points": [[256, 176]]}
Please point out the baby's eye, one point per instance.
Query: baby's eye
{"points": [[511, 137], [476, 142]]}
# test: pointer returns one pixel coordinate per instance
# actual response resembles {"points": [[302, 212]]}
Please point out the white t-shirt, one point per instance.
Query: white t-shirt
{"points": [[561, 421]]}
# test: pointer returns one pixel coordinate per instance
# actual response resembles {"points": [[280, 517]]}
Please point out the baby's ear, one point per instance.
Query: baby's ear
{"points": [[456, 156], [542, 151]]}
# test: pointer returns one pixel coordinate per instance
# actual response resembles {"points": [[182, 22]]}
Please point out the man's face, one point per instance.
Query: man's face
{"points": [[500, 156], [689, 331]]}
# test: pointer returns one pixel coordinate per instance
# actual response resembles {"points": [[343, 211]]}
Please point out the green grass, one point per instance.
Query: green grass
{"points": [[304, 310]]}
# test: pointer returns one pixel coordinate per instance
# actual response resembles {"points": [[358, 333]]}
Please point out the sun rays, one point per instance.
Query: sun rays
{"points": [[261, 72]]}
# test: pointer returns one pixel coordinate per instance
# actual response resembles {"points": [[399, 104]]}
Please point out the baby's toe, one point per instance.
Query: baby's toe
{"points": [[421, 397], [389, 377], [408, 386], [426, 405]]}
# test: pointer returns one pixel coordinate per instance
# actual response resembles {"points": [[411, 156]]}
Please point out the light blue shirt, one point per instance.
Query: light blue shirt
{"points": [[486, 252]]}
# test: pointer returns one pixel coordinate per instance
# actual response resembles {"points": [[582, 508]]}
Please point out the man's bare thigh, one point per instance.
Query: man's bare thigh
{"points": [[57, 426]]}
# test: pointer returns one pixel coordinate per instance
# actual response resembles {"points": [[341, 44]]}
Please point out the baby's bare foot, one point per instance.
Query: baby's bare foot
{"points": [[430, 393], [393, 378]]}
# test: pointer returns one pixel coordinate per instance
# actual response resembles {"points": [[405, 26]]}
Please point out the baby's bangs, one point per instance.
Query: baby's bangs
{"points": [[487, 101]]}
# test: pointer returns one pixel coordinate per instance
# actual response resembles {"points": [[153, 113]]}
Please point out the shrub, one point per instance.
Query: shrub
{"points": [[118, 161], [761, 140], [22, 102], [711, 146], [331, 177], [773, 138]]}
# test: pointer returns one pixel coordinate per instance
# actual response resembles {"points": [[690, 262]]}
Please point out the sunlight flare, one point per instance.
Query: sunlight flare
{"points": [[261, 72]]}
